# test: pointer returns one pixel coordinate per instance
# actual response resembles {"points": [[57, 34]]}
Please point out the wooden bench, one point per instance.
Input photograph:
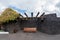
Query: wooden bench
{"points": [[30, 29]]}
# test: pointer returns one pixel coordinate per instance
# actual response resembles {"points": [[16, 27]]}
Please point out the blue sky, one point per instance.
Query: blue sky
{"points": [[28, 6]]}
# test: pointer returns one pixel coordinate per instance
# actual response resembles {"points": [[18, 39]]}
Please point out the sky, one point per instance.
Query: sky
{"points": [[35, 6]]}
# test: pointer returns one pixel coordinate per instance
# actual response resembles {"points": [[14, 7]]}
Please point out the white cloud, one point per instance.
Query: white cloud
{"points": [[2, 7], [33, 5], [51, 7]]}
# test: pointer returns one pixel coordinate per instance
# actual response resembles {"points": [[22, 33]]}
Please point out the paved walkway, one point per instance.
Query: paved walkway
{"points": [[4, 37], [33, 36]]}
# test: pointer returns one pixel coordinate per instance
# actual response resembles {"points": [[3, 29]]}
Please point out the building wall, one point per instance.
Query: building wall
{"points": [[11, 26], [50, 25]]}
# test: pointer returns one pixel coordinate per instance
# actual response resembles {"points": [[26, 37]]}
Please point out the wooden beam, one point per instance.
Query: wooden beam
{"points": [[31, 14], [42, 14], [21, 15], [37, 14], [26, 15]]}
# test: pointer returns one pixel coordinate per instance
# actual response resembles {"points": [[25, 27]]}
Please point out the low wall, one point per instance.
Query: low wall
{"points": [[11, 26]]}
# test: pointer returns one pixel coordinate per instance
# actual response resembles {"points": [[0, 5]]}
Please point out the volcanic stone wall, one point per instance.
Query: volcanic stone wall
{"points": [[11, 26], [51, 24], [28, 23]]}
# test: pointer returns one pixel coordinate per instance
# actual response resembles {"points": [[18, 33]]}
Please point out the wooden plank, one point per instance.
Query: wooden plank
{"points": [[30, 29]]}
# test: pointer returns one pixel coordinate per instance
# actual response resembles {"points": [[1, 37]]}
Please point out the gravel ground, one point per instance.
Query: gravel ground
{"points": [[33, 36], [29, 36], [4, 36]]}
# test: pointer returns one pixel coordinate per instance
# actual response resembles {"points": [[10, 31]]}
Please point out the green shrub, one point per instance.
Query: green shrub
{"points": [[8, 15]]}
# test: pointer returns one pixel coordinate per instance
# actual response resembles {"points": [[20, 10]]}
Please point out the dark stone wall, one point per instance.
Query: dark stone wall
{"points": [[28, 23], [51, 24], [11, 26]]}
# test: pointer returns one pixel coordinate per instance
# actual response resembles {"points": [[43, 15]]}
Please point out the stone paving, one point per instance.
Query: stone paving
{"points": [[29, 36], [4, 36], [33, 36]]}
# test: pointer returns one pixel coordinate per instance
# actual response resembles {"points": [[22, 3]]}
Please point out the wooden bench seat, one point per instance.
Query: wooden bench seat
{"points": [[30, 29]]}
